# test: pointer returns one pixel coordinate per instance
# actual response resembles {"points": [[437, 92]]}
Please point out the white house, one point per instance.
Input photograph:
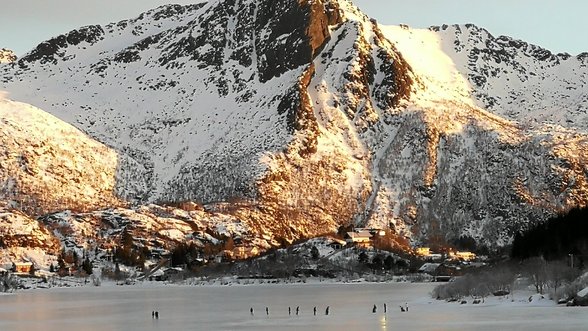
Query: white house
{"points": [[464, 256], [360, 238]]}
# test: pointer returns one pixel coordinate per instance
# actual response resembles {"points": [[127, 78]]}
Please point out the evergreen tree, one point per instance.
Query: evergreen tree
{"points": [[314, 252], [557, 238], [87, 266], [363, 257], [61, 263], [389, 262], [75, 258], [117, 271]]}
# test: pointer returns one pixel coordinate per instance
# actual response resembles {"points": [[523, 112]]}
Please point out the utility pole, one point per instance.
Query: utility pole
{"points": [[571, 260]]}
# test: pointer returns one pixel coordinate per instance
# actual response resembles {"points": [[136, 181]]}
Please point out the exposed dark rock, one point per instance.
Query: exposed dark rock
{"points": [[398, 81], [49, 51], [46, 51], [127, 56], [89, 34], [583, 57]]}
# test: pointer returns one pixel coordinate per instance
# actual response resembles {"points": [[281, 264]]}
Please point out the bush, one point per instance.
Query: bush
{"points": [[479, 284]]}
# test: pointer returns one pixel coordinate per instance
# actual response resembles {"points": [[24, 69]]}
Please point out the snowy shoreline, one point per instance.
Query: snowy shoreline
{"points": [[518, 297]]}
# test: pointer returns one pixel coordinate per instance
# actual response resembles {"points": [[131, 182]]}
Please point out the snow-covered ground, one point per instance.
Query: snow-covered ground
{"points": [[112, 307]]}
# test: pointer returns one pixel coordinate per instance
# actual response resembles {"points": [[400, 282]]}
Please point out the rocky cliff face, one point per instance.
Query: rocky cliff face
{"points": [[306, 115]]}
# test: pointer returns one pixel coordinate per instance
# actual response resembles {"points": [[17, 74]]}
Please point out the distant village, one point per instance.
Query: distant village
{"points": [[353, 253]]}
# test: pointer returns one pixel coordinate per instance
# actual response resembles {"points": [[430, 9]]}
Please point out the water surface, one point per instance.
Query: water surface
{"points": [[228, 308]]}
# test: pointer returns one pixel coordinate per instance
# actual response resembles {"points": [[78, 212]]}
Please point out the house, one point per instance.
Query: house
{"points": [[435, 257], [23, 267], [44, 274], [336, 244], [242, 252], [464, 256], [157, 275], [429, 268], [362, 238], [440, 271], [173, 273], [377, 232], [167, 274], [224, 255], [423, 251], [426, 253]]}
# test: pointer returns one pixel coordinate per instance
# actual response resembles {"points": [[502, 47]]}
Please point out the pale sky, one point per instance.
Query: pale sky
{"points": [[558, 25]]}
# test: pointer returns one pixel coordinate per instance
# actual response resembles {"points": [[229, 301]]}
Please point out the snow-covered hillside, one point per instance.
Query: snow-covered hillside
{"points": [[305, 115], [511, 78], [48, 165], [24, 238], [483, 172]]}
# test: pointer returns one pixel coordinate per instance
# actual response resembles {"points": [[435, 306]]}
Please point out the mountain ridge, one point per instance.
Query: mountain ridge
{"points": [[336, 120]]}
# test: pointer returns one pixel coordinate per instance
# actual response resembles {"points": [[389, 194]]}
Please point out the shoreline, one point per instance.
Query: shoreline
{"points": [[520, 297]]}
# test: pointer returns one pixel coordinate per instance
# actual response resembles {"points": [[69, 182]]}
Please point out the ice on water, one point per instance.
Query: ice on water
{"points": [[228, 308]]}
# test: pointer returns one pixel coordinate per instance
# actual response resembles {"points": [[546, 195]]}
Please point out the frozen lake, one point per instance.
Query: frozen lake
{"points": [[227, 308]]}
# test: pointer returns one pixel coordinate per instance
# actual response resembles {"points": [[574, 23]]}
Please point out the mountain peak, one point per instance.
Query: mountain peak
{"points": [[7, 56]]}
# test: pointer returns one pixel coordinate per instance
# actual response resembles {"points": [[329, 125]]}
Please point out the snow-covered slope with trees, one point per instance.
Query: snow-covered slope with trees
{"points": [[305, 115], [48, 165]]}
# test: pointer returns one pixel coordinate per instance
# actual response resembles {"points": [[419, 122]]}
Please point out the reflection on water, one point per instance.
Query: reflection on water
{"points": [[228, 308], [383, 322]]}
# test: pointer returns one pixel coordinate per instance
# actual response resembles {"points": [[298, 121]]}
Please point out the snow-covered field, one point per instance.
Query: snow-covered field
{"points": [[112, 307]]}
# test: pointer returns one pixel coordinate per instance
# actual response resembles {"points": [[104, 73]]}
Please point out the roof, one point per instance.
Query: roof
{"points": [[359, 234], [44, 273], [429, 267], [336, 241], [157, 272], [23, 263]]}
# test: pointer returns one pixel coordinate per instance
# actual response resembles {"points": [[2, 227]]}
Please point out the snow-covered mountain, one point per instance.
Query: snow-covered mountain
{"points": [[306, 115]]}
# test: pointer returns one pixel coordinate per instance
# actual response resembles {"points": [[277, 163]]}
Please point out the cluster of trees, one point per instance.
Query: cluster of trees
{"points": [[551, 256], [72, 258], [549, 274], [277, 263], [128, 253], [497, 279], [382, 262], [8, 282], [557, 238], [184, 254], [500, 279]]}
